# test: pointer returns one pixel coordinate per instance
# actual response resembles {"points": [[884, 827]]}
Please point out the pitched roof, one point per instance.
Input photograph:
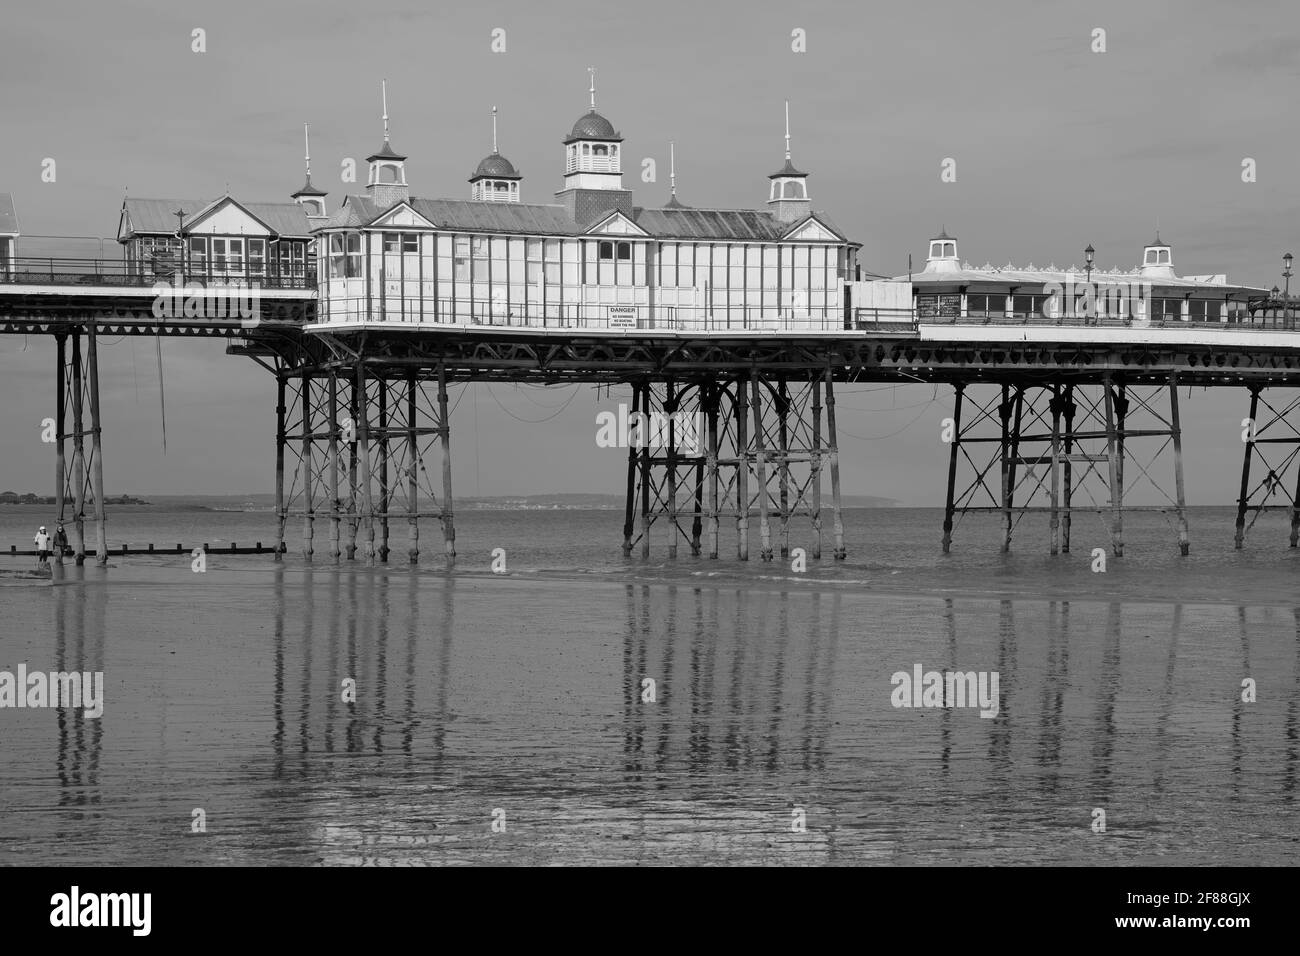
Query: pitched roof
{"points": [[547, 219], [8, 218], [511, 217], [152, 216]]}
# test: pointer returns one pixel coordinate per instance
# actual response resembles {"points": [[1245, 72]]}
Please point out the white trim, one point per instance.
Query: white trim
{"points": [[602, 227]]}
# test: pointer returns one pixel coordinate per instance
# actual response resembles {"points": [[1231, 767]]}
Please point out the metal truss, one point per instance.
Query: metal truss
{"points": [[1274, 441], [80, 480], [363, 443], [732, 448], [1056, 444]]}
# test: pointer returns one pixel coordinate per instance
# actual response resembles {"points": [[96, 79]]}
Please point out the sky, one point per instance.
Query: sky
{"points": [[1056, 147]]}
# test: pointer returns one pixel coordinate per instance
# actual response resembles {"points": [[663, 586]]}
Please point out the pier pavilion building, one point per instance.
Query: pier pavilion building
{"points": [[590, 257], [1151, 293]]}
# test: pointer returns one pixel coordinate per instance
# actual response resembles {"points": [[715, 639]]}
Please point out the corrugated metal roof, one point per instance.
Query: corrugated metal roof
{"points": [[548, 219], [159, 215], [507, 217], [740, 224], [8, 217], [286, 218]]}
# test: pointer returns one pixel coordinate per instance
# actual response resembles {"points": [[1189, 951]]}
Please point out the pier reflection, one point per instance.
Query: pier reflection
{"points": [[332, 627], [80, 611]]}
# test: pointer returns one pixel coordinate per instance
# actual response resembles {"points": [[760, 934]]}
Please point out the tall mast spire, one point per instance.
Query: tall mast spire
{"points": [[494, 129], [384, 88], [672, 170], [306, 142], [787, 130], [592, 71]]}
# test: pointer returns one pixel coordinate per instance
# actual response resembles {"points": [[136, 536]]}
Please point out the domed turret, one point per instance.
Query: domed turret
{"points": [[592, 151], [495, 179]]}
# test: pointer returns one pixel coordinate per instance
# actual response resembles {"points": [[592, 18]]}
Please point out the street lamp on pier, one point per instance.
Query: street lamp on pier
{"points": [[1287, 260], [1088, 253]]}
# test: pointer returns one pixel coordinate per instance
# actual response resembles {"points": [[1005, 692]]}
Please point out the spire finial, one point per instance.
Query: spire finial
{"points": [[306, 142], [494, 130], [787, 130], [592, 71], [672, 169], [384, 89]]}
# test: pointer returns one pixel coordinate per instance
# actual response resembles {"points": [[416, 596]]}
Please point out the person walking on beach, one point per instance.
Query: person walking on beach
{"points": [[42, 548], [60, 541]]}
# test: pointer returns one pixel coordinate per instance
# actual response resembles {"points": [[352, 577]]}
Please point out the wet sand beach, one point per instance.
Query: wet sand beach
{"points": [[520, 699]]}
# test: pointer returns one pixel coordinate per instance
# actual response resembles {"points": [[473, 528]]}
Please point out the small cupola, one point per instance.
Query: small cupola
{"points": [[788, 190], [1157, 259], [943, 254], [308, 196], [495, 179], [592, 150], [386, 184]]}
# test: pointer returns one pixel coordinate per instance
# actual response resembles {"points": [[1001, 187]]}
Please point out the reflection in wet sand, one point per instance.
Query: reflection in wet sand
{"points": [[526, 697]]}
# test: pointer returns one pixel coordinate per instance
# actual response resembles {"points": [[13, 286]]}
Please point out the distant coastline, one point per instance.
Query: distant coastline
{"points": [[13, 498], [266, 502], [555, 502]]}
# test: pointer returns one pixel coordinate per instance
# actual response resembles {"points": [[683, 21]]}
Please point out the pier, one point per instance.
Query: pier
{"points": [[1065, 380]]}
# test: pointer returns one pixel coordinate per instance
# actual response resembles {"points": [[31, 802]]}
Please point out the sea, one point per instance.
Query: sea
{"points": [[550, 701]]}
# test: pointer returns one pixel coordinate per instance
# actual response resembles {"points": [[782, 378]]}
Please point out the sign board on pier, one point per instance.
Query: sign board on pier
{"points": [[622, 317]]}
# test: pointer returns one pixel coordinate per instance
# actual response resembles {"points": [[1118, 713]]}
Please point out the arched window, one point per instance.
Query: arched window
{"points": [[794, 190], [600, 150], [950, 249], [936, 250]]}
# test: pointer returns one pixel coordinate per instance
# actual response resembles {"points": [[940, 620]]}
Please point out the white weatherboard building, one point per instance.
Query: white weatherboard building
{"points": [[588, 258]]}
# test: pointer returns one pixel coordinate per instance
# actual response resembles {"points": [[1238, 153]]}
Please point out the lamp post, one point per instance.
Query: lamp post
{"points": [[180, 236], [1287, 260], [1092, 298]]}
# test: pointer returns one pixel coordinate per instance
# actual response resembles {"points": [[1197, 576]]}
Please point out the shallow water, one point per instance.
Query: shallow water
{"points": [[522, 693]]}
